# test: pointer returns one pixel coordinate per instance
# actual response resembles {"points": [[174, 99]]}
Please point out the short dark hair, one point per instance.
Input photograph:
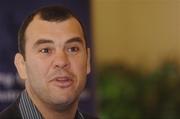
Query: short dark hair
{"points": [[55, 13]]}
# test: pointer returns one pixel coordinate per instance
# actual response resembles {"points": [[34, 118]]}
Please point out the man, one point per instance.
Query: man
{"points": [[53, 60]]}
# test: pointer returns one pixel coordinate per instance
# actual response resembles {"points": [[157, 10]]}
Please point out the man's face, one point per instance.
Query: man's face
{"points": [[56, 61]]}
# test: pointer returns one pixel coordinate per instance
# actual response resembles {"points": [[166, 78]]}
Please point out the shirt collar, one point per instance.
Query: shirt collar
{"points": [[27, 108]]}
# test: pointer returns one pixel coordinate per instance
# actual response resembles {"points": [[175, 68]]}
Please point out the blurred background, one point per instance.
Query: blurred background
{"points": [[135, 55]]}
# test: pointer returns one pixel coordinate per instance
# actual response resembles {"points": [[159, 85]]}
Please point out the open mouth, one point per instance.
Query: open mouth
{"points": [[63, 82]]}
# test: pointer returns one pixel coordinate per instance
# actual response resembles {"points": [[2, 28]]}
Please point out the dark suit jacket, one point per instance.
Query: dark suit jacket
{"points": [[13, 112]]}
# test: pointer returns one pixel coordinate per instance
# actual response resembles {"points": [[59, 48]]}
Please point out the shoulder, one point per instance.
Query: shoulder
{"points": [[11, 112], [87, 116]]}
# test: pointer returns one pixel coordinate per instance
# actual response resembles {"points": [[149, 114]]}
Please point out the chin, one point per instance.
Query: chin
{"points": [[64, 103], [62, 106]]}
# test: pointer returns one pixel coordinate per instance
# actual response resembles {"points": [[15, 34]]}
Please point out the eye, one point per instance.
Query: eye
{"points": [[45, 50], [73, 49]]}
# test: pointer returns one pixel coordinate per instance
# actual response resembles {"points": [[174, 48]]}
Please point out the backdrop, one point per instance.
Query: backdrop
{"points": [[12, 14]]}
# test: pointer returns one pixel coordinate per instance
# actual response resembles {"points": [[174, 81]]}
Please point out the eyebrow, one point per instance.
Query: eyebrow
{"points": [[42, 41], [75, 39]]}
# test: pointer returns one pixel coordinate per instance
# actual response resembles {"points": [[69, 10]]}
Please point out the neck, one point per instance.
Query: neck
{"points": [[50, 111], [53, 114]]}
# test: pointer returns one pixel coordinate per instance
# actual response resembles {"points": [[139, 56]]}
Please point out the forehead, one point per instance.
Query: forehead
{"points": [[64, 30]]}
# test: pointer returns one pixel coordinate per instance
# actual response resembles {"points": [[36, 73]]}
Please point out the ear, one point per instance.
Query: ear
{"points": [[88, 61], [20, 66]]}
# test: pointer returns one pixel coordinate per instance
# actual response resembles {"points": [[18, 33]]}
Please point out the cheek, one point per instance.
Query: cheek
{"points": [[79, 67], [35, 69]]}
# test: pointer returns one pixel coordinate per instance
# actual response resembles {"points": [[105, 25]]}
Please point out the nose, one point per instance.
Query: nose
{"points": [[61, 60]]}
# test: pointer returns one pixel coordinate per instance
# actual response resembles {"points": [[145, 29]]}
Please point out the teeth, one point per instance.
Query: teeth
{"points": [[63, 79], [63, 82]]}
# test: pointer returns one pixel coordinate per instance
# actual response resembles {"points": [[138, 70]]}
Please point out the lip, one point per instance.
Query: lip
{"points": [[63, 81]]}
